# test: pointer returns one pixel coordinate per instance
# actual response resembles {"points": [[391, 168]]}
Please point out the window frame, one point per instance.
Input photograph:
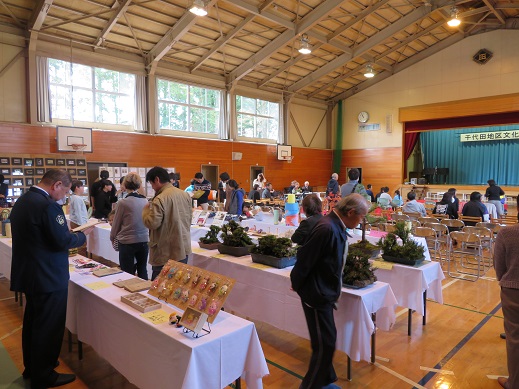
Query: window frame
{"points": [[256, 116], [189, 106], [94, 93]]}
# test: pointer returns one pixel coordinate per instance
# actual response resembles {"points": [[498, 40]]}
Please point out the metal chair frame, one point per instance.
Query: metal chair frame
{"points": [[442, 237], [468, 249]]}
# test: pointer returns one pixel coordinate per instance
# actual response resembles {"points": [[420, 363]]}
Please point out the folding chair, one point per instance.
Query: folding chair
{"points": [[442, 237], [453, 224], [467, 248], [395, 217], [487, 240], [470, 220], [413, 215], [494, 227], [430, 237], [439, 216], [428, 219]]}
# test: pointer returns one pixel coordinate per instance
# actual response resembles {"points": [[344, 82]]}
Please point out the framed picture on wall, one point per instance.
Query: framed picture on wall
{"points": [[7, 181], [72, 172], [81, 162], [28, 172], [29, 181], [81, 172], [18, 182], [124, 171], [38, 180], [5, 171], [17, 171], [60, 162], [117, 172], [4, 161], [38, 161], [50, 161], [40, 172], [28, 161], [17, 191], [83, 181], [16, 161], [71, 162]]}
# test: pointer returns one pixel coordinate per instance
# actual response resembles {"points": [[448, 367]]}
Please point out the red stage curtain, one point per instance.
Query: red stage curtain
{"points": [[410, 142]]}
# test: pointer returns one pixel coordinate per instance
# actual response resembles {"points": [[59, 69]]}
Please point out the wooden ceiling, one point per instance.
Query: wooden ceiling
{"points": [[256, 42]]}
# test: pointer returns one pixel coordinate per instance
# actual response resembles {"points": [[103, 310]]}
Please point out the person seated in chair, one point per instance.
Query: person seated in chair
{"points": [[414, 206], [306, 188], [268, 192], [446, 206], [475, 208]]}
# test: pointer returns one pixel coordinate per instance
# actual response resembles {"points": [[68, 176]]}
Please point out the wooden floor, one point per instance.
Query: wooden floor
{"points": [[458, 348]]}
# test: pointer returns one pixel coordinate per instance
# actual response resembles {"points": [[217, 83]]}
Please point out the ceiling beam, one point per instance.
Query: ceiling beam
{"points": [[366, 46], [121, 9], [39, 14], [175, 33], [222, 41], [499, 14], [366, 12], [377, 59], [301, 27], [269, 15], [13, 16], [401, 66]]}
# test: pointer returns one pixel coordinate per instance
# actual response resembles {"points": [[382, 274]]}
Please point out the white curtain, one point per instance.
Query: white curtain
{"points": [[140, 103], [43, 111], [224, 131], [282, 114]]}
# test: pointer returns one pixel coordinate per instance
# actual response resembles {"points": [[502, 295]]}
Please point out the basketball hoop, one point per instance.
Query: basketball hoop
{"points": [[288, 158], [78, 147]]}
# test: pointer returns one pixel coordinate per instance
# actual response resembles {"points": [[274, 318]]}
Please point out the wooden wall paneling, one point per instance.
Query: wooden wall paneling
{"points": [[469, 107], [186, 155], [380, 167]]}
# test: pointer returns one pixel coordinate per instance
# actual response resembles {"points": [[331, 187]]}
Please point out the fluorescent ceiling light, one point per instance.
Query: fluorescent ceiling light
{"points": [[304, 45], [198, 8]]}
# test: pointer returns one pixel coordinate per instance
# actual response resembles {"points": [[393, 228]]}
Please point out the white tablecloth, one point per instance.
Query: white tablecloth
{"points": [[6, 245], [264, 293], [162, 356]]}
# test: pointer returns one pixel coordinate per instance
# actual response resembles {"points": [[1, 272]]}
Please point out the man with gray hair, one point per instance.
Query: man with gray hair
{"points": [[333, 188], [40, 269], [317, 279]]}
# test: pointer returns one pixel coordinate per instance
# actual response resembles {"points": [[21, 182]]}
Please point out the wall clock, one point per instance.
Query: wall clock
{"points": [[363, 117]]}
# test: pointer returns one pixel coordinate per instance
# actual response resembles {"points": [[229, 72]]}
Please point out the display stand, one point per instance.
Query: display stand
{"points": [[197, 334]]}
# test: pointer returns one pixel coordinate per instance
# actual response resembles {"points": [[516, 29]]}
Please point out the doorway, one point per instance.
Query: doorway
{"points": [[254, 171], [360, 173], [211, 173]]}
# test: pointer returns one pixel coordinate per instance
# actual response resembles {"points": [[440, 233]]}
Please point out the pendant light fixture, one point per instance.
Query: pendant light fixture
{"points": [[304, 45], [454, 20], [198, 8], [369, 72]]}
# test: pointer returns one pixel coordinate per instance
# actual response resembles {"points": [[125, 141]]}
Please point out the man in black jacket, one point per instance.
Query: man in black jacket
{"points": [[40, 269], [317, 279]]}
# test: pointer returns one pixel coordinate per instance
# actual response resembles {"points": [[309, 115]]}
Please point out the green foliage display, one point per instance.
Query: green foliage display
{"points": [[409, 248], [276, 247], [211, 236], [235, 235], [358, 270]]}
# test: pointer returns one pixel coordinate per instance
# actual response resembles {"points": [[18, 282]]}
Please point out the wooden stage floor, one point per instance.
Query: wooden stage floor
{"points": [[458, 348]]}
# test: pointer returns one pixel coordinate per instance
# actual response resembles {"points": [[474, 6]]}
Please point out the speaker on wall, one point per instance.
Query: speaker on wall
{"points": [[236, 156]]}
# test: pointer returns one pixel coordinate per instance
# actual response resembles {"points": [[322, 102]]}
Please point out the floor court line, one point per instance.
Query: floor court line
{"points": [[458, 347]]}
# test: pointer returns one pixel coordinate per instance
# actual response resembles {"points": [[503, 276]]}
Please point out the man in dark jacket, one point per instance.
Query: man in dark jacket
{"points": [[40, 269], [317, 279]]}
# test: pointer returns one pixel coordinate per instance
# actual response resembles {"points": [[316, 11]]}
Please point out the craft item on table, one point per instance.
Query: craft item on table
{"points": [[193, 320], [194, 217], [219, 218], [97, 285], [276, 216], [107, 271], [192, 287], [291, 211], [202, 218], [134, 284], [156, 316], [140, 302], [174, 318]]}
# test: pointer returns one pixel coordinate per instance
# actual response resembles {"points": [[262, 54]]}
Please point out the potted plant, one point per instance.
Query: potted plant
{"points": [[358, 272], [210, 240], [407, 253], [235, 240], [273, 251]]}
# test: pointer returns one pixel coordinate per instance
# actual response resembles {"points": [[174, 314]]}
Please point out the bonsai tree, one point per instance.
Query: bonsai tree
{"points": [[211, 236], [357, 270], [276, 247], [409, 248], [235, 235]]}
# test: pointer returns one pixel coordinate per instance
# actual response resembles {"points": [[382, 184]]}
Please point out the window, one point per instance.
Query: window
{"points": [[86, 94], [257, 118], [188, 108]]}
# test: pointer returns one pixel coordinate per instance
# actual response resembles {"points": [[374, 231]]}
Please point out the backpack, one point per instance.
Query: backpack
{"points": [[358, 188]]}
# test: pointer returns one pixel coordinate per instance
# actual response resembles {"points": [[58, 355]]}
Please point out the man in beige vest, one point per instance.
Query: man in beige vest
{"points": [[168, 217]]}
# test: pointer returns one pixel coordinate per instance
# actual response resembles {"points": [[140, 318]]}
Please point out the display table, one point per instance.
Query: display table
{"points": [[264, 293], [6, 245], [162, 356]]}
